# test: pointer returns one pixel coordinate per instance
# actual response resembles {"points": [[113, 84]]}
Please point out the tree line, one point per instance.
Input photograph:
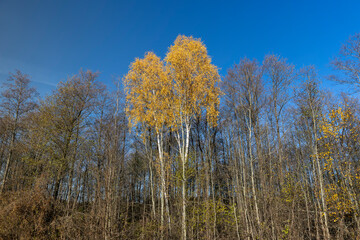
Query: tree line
{"points": [[175, 151]]}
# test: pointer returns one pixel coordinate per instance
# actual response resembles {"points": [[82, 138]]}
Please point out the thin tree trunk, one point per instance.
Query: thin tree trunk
{"points": [[11, 148], [162, 181]]}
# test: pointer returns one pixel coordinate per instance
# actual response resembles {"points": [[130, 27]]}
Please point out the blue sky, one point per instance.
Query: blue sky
{"points": [[50, 40]]}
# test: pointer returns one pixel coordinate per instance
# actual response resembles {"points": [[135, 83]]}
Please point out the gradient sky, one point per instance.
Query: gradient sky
{"points": [[50, 40]]}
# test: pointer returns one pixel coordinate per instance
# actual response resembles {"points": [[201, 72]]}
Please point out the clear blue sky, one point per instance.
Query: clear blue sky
{"points": [[51, 39]]}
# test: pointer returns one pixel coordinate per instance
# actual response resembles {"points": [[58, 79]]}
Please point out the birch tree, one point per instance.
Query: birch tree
{"points": [[195, 89], [148, 92]]}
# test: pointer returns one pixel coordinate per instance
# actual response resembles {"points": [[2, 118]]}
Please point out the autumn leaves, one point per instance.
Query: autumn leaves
{"points": [[160, 93], [167, 95]]}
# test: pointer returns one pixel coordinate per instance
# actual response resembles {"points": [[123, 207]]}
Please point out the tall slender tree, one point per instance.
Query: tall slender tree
{"points": [[195, 88], [148, 95], [17, 101]]}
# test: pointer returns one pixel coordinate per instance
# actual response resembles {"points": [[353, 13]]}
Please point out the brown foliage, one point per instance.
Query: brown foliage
{"points": [[27, 215]]}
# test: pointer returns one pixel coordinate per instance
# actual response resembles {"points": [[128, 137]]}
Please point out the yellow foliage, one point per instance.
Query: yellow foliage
{"points": [[334, 148], [160, 95], [194, 80], [148, 92], [209, 211], [291, 189]]}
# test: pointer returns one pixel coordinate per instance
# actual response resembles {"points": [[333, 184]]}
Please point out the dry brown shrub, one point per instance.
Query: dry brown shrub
{"points": [[27, 214]]}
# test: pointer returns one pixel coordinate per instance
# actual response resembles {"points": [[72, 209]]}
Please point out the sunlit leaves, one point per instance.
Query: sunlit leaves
{"points": [[194, 78], [148, 92], [336, 146], [186, 83]]}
